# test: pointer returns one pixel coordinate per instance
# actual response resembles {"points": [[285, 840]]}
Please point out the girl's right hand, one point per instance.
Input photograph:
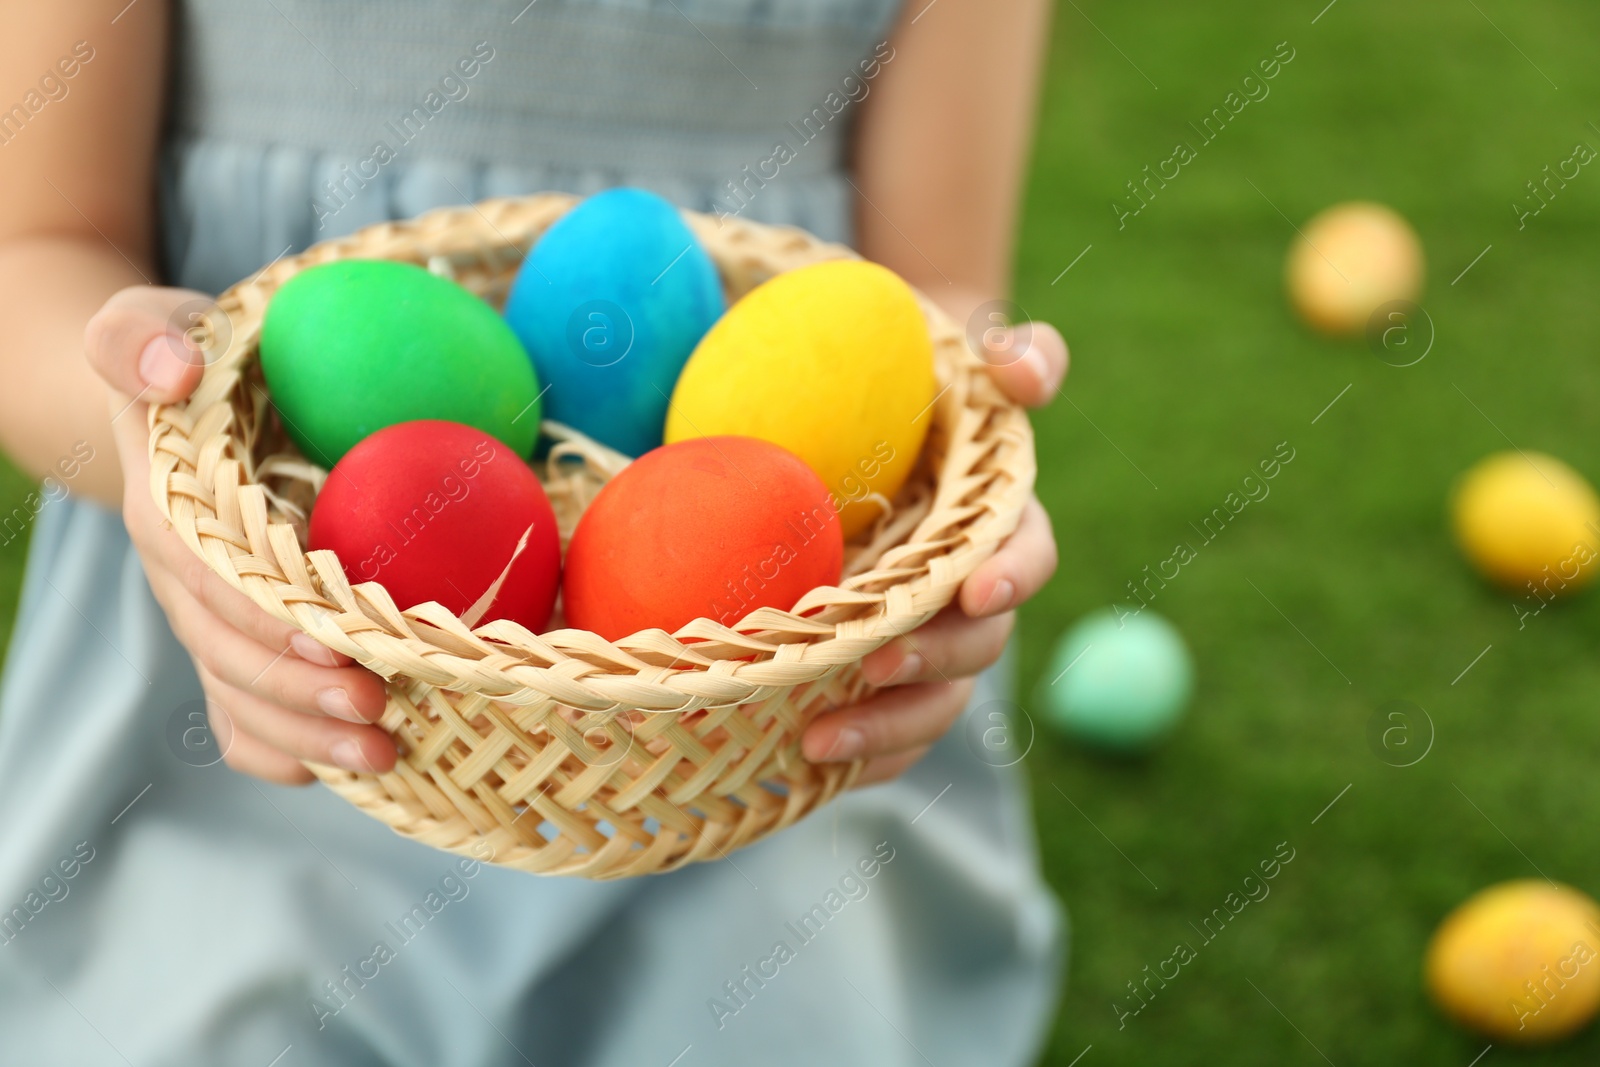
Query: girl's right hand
{"points": [[273, 694]]}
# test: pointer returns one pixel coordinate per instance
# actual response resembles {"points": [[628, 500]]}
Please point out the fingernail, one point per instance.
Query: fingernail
{"points": [[347, 754], [908, 669], [999, 597], [336, 702], [162, 364], [1033, 359], [848, 744], [311, 650], [887, 665]]}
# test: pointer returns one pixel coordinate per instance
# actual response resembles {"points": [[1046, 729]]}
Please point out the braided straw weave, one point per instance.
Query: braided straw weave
{"points": [[563, 753]]}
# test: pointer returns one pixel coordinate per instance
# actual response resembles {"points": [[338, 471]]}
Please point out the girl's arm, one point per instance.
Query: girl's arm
{"points": [[77, 246], [941, 146], [80, 113]]}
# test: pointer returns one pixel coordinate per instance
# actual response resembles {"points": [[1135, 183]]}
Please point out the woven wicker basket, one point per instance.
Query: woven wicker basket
{"points": [[564, 753]]}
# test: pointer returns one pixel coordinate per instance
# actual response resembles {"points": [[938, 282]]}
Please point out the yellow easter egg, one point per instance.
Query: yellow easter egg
{"points": [[1519, 961], [1348, 262], [834, 363], [1525, 517]]}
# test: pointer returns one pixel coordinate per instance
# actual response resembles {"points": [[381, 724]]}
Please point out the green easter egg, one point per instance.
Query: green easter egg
{"points": [[1118, 685], [355, 345]]}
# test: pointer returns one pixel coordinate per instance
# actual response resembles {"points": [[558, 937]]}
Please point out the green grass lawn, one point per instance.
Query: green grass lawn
{"points": [[1188, 371], [14, 490]]}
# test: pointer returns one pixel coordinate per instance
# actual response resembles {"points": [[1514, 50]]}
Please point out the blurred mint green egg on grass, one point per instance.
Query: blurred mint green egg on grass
{"points": [[1119, 685]]}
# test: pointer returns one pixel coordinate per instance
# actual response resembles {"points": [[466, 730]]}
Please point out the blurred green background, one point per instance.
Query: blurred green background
{"points": [[1188, 370]]}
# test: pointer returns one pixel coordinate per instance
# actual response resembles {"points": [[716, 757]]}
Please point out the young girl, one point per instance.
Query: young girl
{"points": [[153, 910]]}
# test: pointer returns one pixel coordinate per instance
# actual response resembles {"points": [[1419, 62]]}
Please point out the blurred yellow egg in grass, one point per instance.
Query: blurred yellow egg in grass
{"points": [[1525, 517], [832, 361], [1519, 961], [1349, 261]]}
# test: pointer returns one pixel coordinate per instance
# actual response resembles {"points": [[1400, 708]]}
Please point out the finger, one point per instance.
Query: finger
{"points": [[950, 645], [150, 532], [894, 720], [253, 756], [886, 768], [1031, 364], [363, 749], [137, 344], [349, 693], [1016, 572], [244, 752]]}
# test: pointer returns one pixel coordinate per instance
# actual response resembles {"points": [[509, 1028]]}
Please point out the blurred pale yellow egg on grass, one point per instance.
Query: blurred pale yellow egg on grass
{"points": [[833, 362], [1349, 261], [1519, 961], [1524, 517]]}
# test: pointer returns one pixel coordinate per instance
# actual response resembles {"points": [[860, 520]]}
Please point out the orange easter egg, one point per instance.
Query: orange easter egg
{"points": [[1348, 262], [713, 527]]}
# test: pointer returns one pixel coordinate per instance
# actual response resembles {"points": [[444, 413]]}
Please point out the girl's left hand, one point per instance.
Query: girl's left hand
{"points": [[927, 675]]}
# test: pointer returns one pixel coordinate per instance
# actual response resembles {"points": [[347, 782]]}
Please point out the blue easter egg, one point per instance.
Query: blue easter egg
{"points": [[1118, 684], [610, 304]]}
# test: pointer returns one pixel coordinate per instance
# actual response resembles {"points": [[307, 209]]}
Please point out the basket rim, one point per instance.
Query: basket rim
{"points": [[202, 478]]}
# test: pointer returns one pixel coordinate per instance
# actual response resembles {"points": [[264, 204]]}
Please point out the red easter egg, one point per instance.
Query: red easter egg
{"points": [[436, 510], [713, 527]]}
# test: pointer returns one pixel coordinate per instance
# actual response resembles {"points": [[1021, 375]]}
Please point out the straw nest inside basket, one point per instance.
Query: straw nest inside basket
{"points": [[563, 753]]}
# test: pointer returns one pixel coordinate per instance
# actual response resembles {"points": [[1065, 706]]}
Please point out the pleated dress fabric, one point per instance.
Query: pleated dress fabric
{"points": [[158, 908]]}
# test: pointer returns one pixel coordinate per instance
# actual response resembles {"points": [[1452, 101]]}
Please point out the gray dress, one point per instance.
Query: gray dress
{"points": [[156, 910]]}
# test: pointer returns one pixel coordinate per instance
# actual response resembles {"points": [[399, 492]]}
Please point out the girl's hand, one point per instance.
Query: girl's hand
{"points": [[274, 696], [927, 675]]}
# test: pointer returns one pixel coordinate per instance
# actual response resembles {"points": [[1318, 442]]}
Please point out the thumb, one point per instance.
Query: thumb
{"points": [[1028, 361], [137, 343]]}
